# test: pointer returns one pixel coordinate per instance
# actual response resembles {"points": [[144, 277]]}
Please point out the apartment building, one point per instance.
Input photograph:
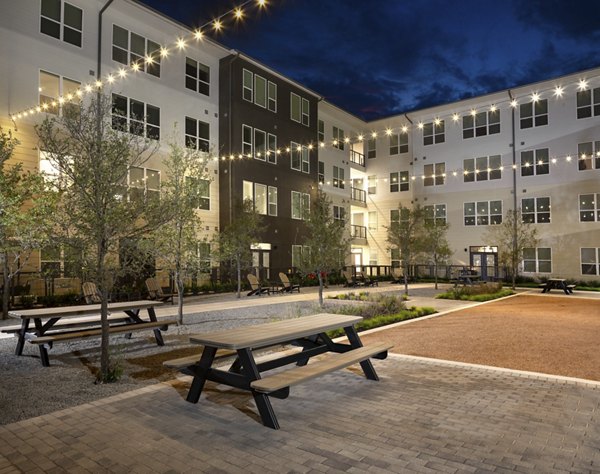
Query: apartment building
{"points": [[535, 147]]}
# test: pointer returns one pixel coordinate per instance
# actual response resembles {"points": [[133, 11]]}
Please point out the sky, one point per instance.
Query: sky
{"points": [[376, 58]]}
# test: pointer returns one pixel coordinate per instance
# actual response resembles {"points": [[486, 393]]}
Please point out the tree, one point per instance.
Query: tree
{"points": [[405, 233], [327, 243], [25, 209], [235, 241], [512, 237], [93, 153], [176, 243], [434, 243]]}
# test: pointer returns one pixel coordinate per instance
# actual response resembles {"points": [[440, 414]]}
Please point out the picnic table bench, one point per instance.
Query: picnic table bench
{"points": [[558, 284], [69, 323], [246, 373]]}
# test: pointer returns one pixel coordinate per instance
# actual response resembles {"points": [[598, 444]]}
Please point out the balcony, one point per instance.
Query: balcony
{"points": [[358, 234], [357, 158], [358, 195]]}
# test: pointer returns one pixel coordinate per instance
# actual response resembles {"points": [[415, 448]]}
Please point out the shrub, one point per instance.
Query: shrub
{"points": [[481, 292]]}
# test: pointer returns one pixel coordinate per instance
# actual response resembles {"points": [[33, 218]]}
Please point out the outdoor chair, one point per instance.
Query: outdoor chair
{"points": [[91, 293], [288, 286], [155, 291], [361, 279], [397, 275], [255, 286], [350, 279]]}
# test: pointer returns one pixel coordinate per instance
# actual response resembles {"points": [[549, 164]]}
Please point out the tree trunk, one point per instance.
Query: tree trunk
{"points": [[239, 277], [405, 267], [104, 344], [6, 286], [180, 290], [435, 274], [320, 289]]}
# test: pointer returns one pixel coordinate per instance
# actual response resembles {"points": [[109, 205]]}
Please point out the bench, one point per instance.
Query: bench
{"points": [[571, 287], [333, 362], [84, 334], [183, 363], [71, 323]]}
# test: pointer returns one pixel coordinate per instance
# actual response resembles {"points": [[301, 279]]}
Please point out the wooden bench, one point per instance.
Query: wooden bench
{"points": [[71, 323], [332, 362], [184, 362], [84, 334]]}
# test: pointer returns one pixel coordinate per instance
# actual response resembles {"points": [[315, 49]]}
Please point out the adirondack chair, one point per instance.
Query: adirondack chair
{"points": [[91, 293], [350, 279], [397, 275], [155, 291], [256, 288], [288, 286]]}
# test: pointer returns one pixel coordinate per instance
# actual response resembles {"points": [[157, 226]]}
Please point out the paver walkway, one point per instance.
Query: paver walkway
{"points": [[421, 417]]}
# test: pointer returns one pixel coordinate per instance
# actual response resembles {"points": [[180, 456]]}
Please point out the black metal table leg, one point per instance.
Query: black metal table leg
{"points": [[355, 342], [208, 356], [157, 333], [22, 332]]}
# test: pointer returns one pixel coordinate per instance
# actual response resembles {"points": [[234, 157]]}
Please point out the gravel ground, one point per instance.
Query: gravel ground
{"points": [[27, 389]]}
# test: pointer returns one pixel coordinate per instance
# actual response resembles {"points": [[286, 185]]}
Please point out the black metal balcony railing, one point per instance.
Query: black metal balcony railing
{"points": [[358, 158], [359, 195], [358, 231]]}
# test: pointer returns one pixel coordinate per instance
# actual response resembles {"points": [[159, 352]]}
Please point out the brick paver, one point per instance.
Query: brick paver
{"points": [[421, 417]]}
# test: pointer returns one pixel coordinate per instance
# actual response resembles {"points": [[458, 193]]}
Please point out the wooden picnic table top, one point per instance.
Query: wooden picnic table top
{"points": [[262, 335], [80, 310]]}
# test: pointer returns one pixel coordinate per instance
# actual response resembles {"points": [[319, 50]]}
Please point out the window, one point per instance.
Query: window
{"points": [[300, 205], [481, 124], [144, 184], [535, 162], [338, 177], [299, 111], [372, 220], [371, 148], [435, 175], [588, 103], [394, 183], [537, 260], [247, 143], [321, 131], [482, 169], [297, 252], [534, 114], [300, 157], [404, 181], [435, 214], [589, 207], [590, 261], [52, 87], [272, 201], [536, 210], [434, 133], [372, 257], [62, 21], [483, 213], [56, 260], [130, 48], [589, 155], [338, 138], [321, 176], [395, 258], [260, 145], [372, 184], [260, 91], [262, 196], [136, 117], [272, 96], [398, 143], [197, 134], [204, 253], [197, 76], [339, 213], [272, 148], [201, 189], [305, 159], [248, 86], [397, 216]]}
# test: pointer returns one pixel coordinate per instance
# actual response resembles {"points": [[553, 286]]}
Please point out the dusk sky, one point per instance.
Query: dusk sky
{"points": [[379, 58]]}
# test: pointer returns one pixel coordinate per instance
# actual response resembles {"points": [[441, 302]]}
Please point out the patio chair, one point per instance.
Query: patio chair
{"points": [[350, 279], [91, 294], [155, 291], [288, 286], [361, 279], [256, 287], [397, 275]]}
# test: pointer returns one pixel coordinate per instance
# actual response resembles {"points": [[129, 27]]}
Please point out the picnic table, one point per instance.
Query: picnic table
{"points": [[307, 332], [558, 284], [467, 277], [57, 324]]}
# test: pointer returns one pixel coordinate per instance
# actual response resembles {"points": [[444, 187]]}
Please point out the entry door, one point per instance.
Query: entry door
{"points": [[357, 259], [486, 263], [261, 261]]}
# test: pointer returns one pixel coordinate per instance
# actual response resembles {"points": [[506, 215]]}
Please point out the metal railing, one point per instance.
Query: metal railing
{"points": [[358, 158], [358, 195], [358, 231]]}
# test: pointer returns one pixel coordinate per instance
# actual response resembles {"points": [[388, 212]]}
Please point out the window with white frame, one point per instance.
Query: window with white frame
{"points": [[339, 213], [373, 220], [201, 189], [394, 182], [321, 174], [435, 214], [197, 76], [272, 201], [589, 207], [435, 174], [589, 156], [300, 205], [197, 134], [535, 210], [263, 197], [590, 261], [535, 162], [395, 257], [483, 213], [321, 131], [537, 260], [483, 168], [404, 181], [136, 117], [372, 148], [130, 48], [57, 260], [53, 86], [203, 253], [397, 215], [338, 177], [62, 21], [338, 138], [247, 141], [481, 124], [260, 91], [300, 157], [534, 113], [372, 184], [299, 109], [248, 85], [260, 198], [143, 184], [434, 132], [298, 251], [272, 148], [372, 257], [398, 143], [588, 103], [260, 145], [272, 96]]}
